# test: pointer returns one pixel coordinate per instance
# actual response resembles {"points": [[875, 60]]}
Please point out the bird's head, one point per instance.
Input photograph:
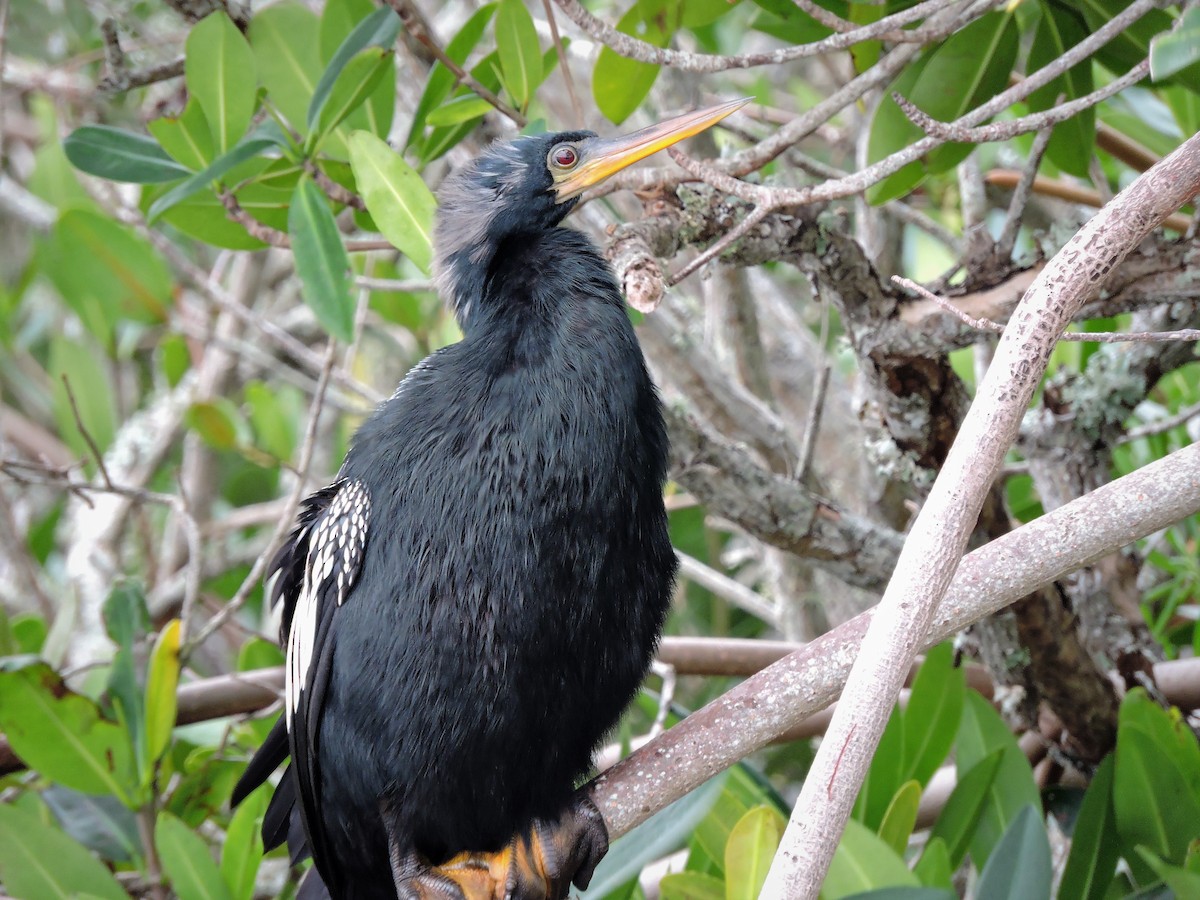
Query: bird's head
{"points": [[529, 185]]}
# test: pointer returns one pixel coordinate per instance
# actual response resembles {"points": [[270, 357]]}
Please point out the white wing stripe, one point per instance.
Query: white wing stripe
{"points": [[336, 544]]}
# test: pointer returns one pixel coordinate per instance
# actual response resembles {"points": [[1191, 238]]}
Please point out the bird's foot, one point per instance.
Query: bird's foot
{"points": [[540, 864]]}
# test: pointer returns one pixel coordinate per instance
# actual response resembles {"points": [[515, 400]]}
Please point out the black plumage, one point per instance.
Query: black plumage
{"points": [[469, 607]]}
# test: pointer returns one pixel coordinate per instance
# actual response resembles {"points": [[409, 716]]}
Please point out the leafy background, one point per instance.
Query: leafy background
{"points": [[196, 264]]}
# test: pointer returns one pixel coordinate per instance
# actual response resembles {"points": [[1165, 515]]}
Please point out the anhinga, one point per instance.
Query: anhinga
{"points": [[472, 603]]}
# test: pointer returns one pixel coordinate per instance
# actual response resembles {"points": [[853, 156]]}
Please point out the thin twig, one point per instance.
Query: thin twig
{"points": [[1072, 193], [1150, 429], [400, 286], [1020, 197], [87, 435], [332, 189], [412, 22], [812, 424], [256, 229], [1079, 337], [285, 521], [727, 589], [563, 63]]}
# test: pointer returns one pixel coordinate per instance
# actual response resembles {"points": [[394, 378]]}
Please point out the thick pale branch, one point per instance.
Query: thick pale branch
{"points": [[939, 535], [751, 715]]}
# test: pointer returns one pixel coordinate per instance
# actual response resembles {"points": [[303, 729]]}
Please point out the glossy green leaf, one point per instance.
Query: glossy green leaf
{"points": [[284, 40], [186, 137], [377, 30], [885, 775], [264, 137], [354, 84], [959, 819], [61, 734], [969, 68], [1019, 867], [863, 862], [120, 155], [1072, 141], [338, 20], [749, 852], [901, 817], [1154, 791], [440, 140], [520, 55], [691, 886], [1180, 881], [321, 260], [1133, 44], [1174, 51], [220, 74], [933, 868], [41, 862], [744, 790], [933, 714], [1095, 846], [459, 110], [619, 85], [1185, 106], [272, 427], [162, 684], [101, 823], [187, 861], [662, 833], [981, 733], [441, 80], [174, 358], [242, 852], [398, 200]]}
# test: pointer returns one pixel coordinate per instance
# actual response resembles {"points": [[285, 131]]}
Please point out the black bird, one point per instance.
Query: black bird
{"points": [[472, 603]]}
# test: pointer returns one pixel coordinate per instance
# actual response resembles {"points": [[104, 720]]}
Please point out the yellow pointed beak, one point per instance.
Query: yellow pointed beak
{"points": [[600, 158]]}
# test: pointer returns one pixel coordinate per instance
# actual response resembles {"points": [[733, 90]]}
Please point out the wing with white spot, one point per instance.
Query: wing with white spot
{"points": [[316, 577]]}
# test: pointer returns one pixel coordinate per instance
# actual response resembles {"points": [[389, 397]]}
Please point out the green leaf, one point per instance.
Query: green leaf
{"points": [[187, 861], [120, 155], [968, 69], [321, 260], [108, 272], [272, 427], [398, 200], [1095, 846], [441, 80], [1182, 882], [619, 85], [933, 713], [162, 684], [357, 80], [216, 421], [186, 137], [885, 775], [284, 40], [338, 20], [242, 851], [1019, 867], [933, 868], [127, 619], [744, 789], [520, 54], [1176, 49], [959, 818], [1072, 141], [749, 852], [100, 823], [220, 74], [905, 893], [691, 886], [901, 816], [377, 30], [75, 361], [262, 138], [1154, 794], [41, 862], [981, 733], [663, 832], [459, 110], [864, 862], [61, 734]]}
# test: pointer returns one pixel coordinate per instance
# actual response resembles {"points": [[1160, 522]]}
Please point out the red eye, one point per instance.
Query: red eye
{"points": [[564, 156]]}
